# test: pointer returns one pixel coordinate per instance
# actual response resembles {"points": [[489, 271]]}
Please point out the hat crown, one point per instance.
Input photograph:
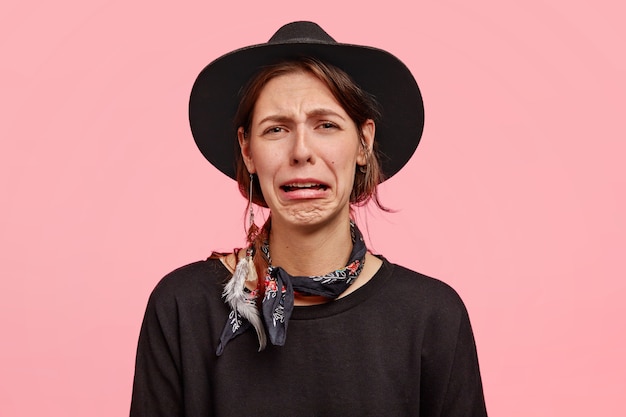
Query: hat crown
{"points": [[216, 93], [298, 32]]}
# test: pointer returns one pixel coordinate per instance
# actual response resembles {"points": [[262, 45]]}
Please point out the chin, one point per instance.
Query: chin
{"points": [[305, 217], [314, 216]]}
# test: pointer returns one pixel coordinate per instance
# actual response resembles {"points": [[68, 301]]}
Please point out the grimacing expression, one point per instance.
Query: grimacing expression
{"points": [[304, 149]]}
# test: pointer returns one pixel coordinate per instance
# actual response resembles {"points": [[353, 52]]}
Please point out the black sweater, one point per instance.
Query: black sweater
{"points": [[401, 345]]}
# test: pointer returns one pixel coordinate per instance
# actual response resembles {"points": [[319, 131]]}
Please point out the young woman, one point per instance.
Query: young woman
{"points": [[304, 321]]}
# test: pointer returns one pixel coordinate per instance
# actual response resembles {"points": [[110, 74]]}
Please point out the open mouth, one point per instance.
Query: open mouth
{"points": [[303, 186]]}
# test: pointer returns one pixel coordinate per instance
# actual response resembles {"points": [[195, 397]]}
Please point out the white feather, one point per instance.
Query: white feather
{"points": [[252, 275], [238, 300]]}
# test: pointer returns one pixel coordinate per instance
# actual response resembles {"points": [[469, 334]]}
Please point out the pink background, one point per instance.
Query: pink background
{"points": [[516, 196]]}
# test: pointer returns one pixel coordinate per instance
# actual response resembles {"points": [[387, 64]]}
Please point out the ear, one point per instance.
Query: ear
{"points": [[368, 131], [244, 144]]}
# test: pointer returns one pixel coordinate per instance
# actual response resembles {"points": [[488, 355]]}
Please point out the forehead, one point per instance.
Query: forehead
{"points": [[293, 91]]}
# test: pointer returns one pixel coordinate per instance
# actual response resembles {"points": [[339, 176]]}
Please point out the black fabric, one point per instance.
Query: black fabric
{"points": [[360, 355], [280, 287], [278, 304]]}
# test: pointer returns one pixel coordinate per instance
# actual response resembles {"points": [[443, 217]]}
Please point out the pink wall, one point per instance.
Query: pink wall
{"points": [[515, 197]]}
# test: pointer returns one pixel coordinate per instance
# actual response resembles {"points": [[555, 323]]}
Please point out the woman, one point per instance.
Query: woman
{"points": [[268, 330]]}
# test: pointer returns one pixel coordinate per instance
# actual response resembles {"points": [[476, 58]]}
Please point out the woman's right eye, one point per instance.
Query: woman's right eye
{"points": [[274, 129]]}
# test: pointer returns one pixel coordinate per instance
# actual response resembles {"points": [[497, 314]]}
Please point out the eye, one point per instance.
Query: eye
{"points": [[273, 129], [328, 125]]}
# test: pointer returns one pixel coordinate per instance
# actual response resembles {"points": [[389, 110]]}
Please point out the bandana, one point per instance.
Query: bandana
{"points": [[278, 301]]}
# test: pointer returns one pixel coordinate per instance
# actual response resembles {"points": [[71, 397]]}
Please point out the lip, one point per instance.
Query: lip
{"points": [[303, 189]]}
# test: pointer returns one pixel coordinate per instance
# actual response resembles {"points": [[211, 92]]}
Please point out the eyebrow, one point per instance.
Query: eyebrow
{"points": [[313, 113]]}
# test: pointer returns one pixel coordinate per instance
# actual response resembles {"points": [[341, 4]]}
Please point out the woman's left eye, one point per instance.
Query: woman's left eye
{"points": [[273, 130]]}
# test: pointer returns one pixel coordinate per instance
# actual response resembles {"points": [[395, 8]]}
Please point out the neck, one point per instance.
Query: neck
{"points": [[311, 251]]}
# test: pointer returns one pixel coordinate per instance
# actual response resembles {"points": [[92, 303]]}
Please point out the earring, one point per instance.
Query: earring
{"points": [[252, 228], [245, 269], [235, 289], [363, 169]]}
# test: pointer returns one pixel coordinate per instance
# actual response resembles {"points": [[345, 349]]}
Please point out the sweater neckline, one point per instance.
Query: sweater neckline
{"points": [[369, 289], [361, 294]]}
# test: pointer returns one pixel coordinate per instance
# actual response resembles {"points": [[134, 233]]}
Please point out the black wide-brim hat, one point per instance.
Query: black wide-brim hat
{"points": [[215, 94]]}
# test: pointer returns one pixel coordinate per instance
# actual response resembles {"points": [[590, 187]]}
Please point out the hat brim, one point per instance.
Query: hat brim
{"points": [[215, 97]]}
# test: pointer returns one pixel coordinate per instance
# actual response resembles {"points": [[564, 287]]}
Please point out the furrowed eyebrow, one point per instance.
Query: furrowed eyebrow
{"points": [[278, 118], [275, 118], [324, 112]]}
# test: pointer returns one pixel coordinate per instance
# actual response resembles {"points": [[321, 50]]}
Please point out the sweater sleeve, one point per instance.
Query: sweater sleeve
{"points": [[157, 387], [464, 392], [450, 380]]}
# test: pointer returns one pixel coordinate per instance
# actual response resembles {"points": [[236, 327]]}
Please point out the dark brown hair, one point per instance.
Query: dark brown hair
{"points": [[358, 104]]}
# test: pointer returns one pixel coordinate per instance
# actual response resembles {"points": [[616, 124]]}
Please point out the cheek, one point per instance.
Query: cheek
{"points": [[265, 172], [266, 168], [260, 158]]}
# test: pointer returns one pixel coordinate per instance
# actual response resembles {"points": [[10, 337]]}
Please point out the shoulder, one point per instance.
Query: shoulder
{"points": [[416, 289], [196, 279], [424, 284]]}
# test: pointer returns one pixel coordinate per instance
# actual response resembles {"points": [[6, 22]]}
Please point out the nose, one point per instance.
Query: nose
{"points": [[301, 150]]}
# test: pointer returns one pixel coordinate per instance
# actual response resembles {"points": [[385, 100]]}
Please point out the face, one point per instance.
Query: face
{"points": [[304, 148]]}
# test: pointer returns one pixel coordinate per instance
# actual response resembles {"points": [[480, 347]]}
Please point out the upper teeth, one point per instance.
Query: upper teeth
{"points": [[303, 185]]}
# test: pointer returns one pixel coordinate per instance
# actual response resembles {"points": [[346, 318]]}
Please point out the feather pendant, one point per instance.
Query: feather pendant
{"points": [[252, 275], [238, 300]]}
